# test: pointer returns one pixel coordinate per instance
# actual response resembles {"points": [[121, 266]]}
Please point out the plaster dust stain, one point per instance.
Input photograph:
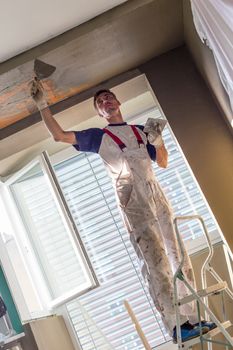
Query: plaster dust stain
{"points": [[13, 103], [16, 103], [55, 94], [4, 122], [9, 93]]}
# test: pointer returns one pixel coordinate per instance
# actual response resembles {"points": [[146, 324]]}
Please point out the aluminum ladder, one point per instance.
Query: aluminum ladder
{"points": [[201, 296]]}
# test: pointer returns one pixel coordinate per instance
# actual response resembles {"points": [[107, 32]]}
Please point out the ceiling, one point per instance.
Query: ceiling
{"points": [[112, 43], [104, 41], [28, 23]]}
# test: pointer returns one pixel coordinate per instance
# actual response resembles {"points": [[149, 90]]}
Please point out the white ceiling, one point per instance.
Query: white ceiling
{"points": [[27, 23]]}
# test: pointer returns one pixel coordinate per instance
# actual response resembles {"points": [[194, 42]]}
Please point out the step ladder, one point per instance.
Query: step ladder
{"points": [[201, 296]]}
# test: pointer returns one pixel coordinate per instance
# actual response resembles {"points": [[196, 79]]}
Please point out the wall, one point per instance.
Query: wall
{"points": [[200, 128], [6, 295], [205, 62]]}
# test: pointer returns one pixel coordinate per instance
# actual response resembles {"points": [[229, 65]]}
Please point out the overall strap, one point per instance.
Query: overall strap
{"points": [[115, 138], [138, 136], [121, 143]]}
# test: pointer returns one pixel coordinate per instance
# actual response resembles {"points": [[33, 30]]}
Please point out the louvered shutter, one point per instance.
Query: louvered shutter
{"points": [[60, 260]]}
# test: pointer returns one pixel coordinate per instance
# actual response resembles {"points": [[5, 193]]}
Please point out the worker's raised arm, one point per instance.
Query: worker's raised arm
{"points": [[55, 129], [52, 125]]}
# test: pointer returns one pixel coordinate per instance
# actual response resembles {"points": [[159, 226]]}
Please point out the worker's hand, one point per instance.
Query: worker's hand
{"points": [[37, 93], [154, 135], [155, 139]]}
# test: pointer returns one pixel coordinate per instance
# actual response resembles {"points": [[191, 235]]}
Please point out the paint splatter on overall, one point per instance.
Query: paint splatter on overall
{"points": [[149, 220]]}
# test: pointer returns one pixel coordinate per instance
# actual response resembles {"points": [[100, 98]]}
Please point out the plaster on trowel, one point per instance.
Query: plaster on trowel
{"points": [[41, 71]]}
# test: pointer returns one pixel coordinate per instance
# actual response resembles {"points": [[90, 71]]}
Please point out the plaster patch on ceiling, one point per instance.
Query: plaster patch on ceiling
{"points": [[77, 69]]}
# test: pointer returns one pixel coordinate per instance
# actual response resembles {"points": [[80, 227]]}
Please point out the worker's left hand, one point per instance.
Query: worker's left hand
{"points": [[154, 134], [155, 139]]}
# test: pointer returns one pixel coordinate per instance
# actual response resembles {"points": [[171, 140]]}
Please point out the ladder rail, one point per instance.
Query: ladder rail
{"points": [[176, 305], [205, 267], [209, 244], [212, 316], [219, 279]]}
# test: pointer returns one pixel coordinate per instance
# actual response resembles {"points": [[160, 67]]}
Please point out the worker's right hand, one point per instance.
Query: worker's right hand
{"points": [[37, 93]]}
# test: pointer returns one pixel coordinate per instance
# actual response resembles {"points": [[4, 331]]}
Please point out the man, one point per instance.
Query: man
{"points": [[127, 154]]}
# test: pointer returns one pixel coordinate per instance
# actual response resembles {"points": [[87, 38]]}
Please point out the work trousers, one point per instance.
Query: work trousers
{"points": [[149, 220]]}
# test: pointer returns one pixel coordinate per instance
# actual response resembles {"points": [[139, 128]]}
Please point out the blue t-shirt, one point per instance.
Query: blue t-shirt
{"points": [[92, 140]]}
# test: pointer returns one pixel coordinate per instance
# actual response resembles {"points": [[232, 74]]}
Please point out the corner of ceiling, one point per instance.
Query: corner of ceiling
{"points": [[204, 61]]}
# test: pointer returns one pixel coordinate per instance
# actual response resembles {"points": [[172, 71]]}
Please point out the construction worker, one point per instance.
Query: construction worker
{"points": [[127, 154]]}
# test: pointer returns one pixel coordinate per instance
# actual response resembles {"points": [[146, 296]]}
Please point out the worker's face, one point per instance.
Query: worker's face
{"points": [[107, 105]]}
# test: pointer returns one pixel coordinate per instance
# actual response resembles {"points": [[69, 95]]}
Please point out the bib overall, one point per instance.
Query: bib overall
{"points": [[149, 220]]}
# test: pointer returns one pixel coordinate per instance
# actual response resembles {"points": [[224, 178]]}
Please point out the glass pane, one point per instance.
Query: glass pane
{"points": [[57, 253]]}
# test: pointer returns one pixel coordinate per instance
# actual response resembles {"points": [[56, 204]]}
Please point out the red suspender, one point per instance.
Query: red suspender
{"points": [[115, 138], [138, 136], [121, 143]]}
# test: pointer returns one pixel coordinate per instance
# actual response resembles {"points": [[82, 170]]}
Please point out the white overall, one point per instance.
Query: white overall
{"points": [[149, 220]]}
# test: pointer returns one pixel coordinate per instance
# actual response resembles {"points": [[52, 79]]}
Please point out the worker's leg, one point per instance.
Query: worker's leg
{"points": [[165, 216], [149, 247], [145, 235]]}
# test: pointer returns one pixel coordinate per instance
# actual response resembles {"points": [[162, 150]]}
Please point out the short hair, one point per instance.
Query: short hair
{"points": [[99, 92]]}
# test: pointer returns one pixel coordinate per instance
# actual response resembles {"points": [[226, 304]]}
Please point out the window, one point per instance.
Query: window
{"points": [[57, 263]]}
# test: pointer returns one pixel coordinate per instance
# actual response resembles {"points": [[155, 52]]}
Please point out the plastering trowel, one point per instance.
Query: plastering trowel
{"points": [[42, 70]]}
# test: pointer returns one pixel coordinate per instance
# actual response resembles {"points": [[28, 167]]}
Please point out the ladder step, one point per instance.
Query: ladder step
{"points": [[216, 331], [215, 289], [188, 344], [210, 334]]}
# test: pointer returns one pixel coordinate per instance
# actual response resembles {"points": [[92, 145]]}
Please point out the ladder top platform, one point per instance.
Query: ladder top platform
{"points": [[214, 289]]}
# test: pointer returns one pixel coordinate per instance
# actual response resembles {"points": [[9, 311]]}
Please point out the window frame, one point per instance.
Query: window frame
{"points": [[26, 247]]}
